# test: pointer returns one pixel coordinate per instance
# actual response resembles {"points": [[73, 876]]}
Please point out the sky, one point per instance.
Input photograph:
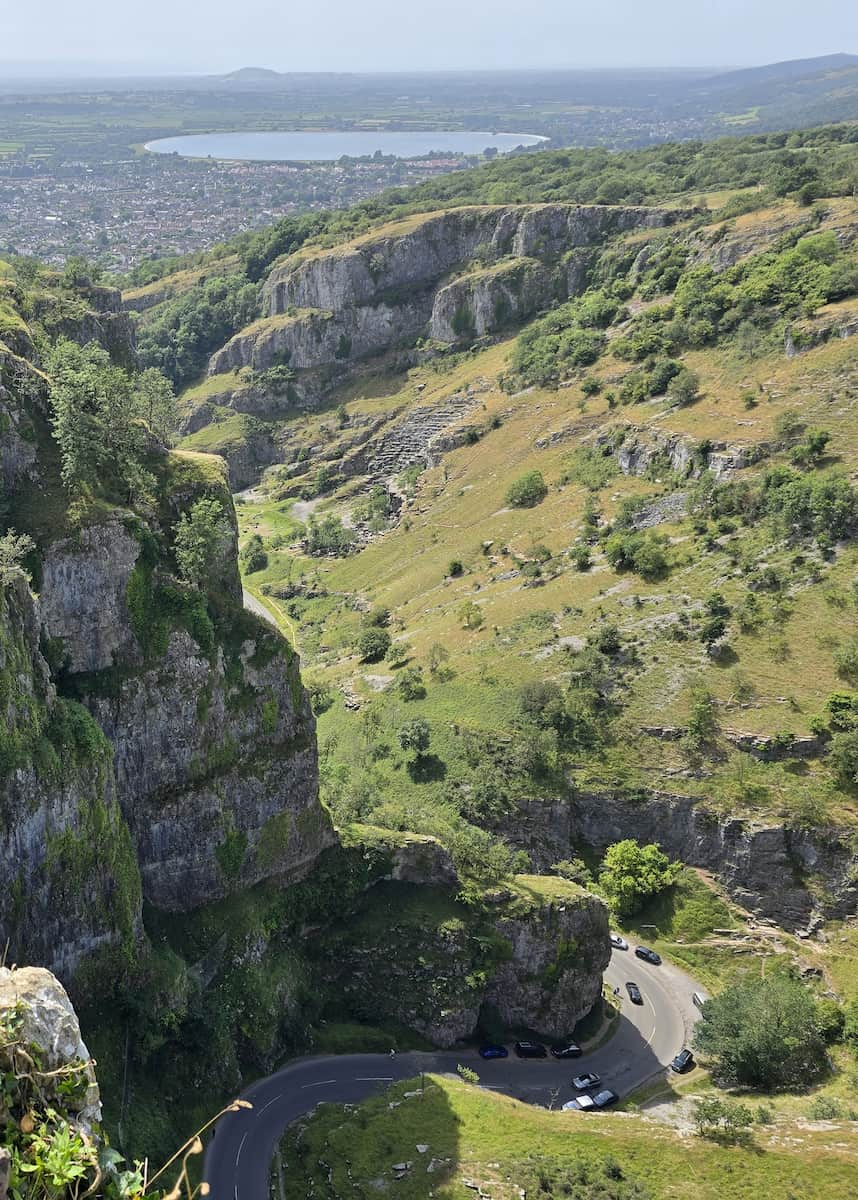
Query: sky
{"points": [[202, 36]]}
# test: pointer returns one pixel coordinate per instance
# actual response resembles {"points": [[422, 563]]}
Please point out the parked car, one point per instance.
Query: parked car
{"points": [[648, 955], [588, 1080], [683, 1062], [490, 1050], [603, 1099], [581, 1103], [634, 993], [566, 1050], [530, 1050], [619, 943], [697, 1000]]}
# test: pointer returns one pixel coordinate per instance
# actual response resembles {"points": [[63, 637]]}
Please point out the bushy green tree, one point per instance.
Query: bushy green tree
{"points": [[631, 874], [14, 548], [763, 1032], [372, 644], [197, 536], [156, 403], [415, 735], [96, 421], [527, 491]]}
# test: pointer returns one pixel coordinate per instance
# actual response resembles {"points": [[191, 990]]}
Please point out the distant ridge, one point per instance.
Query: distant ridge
{"points": [[253, 74], [794, 68]]}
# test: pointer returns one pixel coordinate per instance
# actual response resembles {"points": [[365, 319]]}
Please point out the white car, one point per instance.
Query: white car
{"points": [[581, 1103], [587, 1080], [619, 943]]}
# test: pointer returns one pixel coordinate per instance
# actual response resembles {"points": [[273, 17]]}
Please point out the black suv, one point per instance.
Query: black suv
{"points": [[648, 955], [634, 993], [566, 1050], [683, 1062], [530, 1050]]}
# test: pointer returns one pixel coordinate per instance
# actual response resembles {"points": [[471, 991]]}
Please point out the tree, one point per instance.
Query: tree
{"points": [[372, 644], [14, 548], [415, 735], [156, 401], [721, 1120], [843, 757], [471, 615], [527, 491], [763, 1032], [196, 539], [436, 657], [632, 873], [410, 684], [96, 420], [684, 387]]}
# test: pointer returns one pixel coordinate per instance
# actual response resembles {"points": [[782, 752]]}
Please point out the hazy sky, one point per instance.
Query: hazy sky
{"points": [[366, 35]]}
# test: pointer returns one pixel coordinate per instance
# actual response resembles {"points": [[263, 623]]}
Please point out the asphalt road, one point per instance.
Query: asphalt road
{"points": [[238, 1158]]}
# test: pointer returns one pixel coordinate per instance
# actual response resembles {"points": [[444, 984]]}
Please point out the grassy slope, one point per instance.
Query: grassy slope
{"points": [[461, 504], [476, 1137]]}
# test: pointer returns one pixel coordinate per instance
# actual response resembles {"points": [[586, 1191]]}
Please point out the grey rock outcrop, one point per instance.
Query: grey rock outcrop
{"points": [[791, 875], [49, 1021], [554, 974], [71, 885], [82, 597], [329, 307]]}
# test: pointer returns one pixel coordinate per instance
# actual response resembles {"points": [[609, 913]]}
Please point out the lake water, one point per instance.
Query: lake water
{"points": [[304, 146]]}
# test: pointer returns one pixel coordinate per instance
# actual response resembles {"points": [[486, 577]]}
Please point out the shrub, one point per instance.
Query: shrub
{"points": [[843, 758], [454, 568], [631, 874], [372, 644], [763, 1032], [527, 491]]}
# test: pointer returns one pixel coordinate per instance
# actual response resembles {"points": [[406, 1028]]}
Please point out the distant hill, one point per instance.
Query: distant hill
{"points": [[790, 70], [253, 75]]}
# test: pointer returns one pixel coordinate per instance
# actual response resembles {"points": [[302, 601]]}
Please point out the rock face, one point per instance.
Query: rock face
{"points": [[71, 884], [553, 977], [537, 959], [328, 308], [790, 875], [82, 596], [150, 731], [49, 1021]]}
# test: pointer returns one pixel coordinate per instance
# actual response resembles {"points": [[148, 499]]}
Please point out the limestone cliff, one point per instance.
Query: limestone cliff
{"points": [[535, 957], [795, 876], [324, 309], [152, 731]]}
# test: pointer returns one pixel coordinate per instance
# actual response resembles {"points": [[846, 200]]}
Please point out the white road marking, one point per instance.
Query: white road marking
{"points": [[373, 1079], [320, 1083], [240, 1148], [268, 1105]]}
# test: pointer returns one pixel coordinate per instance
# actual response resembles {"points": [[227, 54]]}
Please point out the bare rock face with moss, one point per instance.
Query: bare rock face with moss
{"points": [[534, 953], [155, 738], [35, 1008], [327, 309], [71, 882]]}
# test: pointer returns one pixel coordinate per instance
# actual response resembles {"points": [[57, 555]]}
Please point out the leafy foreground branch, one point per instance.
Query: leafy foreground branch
{"points": [[52, 1149]]}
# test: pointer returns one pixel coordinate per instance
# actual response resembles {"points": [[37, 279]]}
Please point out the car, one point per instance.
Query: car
{"points": [[605, 1098], [634, 993], [580, 1103], [588, 1080], [648, 955], [566, 1050], [683, 1062], [698, 1000], [619, 943], [491, 1050], [530, 1050]]}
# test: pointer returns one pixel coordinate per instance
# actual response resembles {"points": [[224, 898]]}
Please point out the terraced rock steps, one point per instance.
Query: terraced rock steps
{"points": [[411, 440]]}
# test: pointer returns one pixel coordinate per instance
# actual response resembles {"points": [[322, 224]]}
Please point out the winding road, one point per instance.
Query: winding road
{"points": [[238, 1159]]}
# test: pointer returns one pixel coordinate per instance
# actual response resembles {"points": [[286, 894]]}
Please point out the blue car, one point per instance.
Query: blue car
{"points": [[490, 1050]]}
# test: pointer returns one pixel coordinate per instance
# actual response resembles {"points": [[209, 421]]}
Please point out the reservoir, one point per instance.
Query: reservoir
{"points": [[328, 146]]}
